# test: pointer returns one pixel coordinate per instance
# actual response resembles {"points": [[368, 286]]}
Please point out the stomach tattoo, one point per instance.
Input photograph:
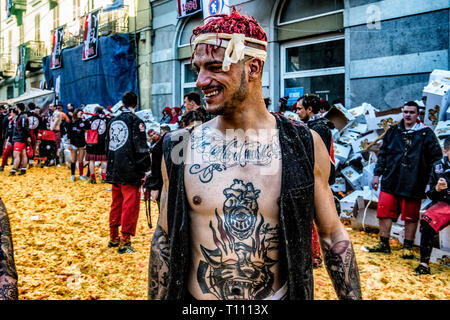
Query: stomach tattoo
{"points": [[239, 267]]}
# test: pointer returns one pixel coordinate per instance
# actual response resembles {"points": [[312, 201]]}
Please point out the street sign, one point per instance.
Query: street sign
{"points": [[215, 7]]}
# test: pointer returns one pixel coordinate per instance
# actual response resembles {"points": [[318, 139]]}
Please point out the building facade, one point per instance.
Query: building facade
{"points": [[354, 51]]}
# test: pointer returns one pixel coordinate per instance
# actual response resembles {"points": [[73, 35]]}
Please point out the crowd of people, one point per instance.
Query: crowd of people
{"points": [[32, 134]]}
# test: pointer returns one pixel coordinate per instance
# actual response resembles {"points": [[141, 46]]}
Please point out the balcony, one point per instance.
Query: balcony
{"points": [[36, 51], [18, 7], [73, 34], [115, 21], [7, 68]]}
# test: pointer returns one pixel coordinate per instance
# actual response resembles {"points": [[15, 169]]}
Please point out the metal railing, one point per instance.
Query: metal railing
{"points": [[37, 51], [115, 21]]}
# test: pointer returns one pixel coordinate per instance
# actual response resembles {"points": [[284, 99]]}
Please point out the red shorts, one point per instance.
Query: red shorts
{"points": [[19, 146], [390, 206], [438, 216]]}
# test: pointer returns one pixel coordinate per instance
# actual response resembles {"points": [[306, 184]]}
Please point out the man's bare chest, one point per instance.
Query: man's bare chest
{"points": [[215, 163]]}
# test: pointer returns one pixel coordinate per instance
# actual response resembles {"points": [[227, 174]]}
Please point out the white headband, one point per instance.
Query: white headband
{"points": [[235, 46]]}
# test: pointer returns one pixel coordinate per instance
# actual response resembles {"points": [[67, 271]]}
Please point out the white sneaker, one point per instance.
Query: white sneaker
{"points": [[72, 178], [82, 177]]}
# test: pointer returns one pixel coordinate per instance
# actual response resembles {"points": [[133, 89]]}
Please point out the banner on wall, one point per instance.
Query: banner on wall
{"points": [[21, 68], [215, 7], [90, 36], [188, 7], [57, 41]]}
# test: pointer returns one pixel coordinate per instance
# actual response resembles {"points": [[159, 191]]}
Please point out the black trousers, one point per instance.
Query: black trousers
{"points": [[426, 241]]}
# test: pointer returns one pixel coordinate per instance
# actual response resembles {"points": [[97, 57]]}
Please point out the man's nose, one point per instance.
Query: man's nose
{"points": [[203, 79]]}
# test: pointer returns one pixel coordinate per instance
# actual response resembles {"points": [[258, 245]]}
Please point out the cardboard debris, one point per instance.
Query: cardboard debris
{"points": [[384, 119], [348, 136], [440, 257], [358, 127], [364, 141], [341, 152], [348, 203], [364, 214], [437, 95], [444, 239], [352, 177], [339, 185], [442, 129], [339, 116]]}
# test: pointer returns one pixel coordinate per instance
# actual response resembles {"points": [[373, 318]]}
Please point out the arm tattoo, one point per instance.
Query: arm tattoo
{"points": [[8, 274], [219, 154], [343, 270], [158, 269], [239, 267]]}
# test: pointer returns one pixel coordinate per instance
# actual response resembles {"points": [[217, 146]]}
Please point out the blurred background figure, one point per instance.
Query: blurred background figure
{"points": [[192, 119], [77, 143]]}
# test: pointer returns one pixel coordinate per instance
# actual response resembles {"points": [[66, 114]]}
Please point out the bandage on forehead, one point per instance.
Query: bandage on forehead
{"points": [[234, 44]]}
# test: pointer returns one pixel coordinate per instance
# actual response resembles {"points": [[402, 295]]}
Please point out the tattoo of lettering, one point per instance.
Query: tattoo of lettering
{"points": [[343, 270], [234, 269], [8, 274], [158, 269], [219, 154]]}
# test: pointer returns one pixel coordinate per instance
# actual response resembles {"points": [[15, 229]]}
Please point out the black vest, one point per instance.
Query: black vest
{"points": [[296, 211]]}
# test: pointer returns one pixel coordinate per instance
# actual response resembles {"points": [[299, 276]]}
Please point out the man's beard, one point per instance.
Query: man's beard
{"points": [[236, 99]]}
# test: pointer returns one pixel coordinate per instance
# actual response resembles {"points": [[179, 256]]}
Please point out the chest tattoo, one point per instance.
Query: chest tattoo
{"points": [[216, 154], [239, 267]]}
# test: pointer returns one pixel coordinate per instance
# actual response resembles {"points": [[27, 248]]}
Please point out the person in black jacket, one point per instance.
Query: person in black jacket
{"points": [[21, 136], [437, 217], [77, 143], [405, 160], [308, 109], [3, 115], [8, 125], [128, 157], [96, 151], [33, 122]]}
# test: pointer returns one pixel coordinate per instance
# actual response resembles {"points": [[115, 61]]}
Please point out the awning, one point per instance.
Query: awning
{"points": [[39, 97]]}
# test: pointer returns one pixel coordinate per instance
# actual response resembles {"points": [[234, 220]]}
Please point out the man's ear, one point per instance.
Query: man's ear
{"points": [[255, 66]]}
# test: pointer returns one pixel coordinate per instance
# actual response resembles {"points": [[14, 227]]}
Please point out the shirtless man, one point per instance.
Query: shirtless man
{"points": [[237, 206], [55, 125]]}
